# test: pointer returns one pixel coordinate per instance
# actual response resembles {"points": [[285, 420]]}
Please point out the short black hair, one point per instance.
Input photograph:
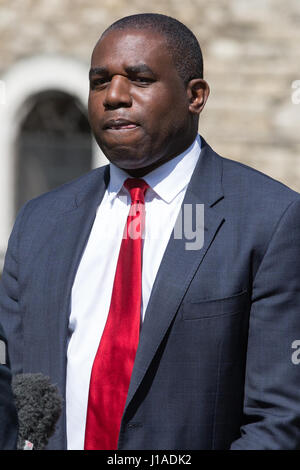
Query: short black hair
{"points": [[181, 41]]}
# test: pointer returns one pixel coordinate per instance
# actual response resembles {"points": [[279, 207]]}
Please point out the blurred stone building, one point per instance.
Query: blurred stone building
{"points": [[252, 56]]}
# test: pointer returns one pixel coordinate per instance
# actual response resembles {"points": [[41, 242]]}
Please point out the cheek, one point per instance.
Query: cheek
{"points": [[91, 112], [95, 107], [158, 113], [166, 119], [167, 108]]}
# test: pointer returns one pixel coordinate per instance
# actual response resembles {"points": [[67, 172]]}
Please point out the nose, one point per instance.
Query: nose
{"points": [[117, 93]]}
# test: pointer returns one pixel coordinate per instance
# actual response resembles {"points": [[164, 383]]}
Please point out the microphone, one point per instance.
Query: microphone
{"points": [[39, 406]]}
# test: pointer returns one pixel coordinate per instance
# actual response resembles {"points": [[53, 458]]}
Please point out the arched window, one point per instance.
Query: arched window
{"points": [[23, 174], [54, 144]]}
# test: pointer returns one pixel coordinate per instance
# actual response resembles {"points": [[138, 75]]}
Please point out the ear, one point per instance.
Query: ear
{"points": [[198, 92]]}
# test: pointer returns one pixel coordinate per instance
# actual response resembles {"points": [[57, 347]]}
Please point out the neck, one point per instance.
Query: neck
{"points": [[140, 172]]}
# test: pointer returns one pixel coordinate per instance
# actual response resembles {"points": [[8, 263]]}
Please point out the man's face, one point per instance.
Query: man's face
{"points": [[138, 104]]}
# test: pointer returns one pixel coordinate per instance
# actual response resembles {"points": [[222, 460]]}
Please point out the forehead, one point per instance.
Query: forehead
{"points": [[129, 47]]}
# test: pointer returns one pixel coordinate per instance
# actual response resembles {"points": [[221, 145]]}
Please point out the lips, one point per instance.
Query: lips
{"points": [[120, 124]]}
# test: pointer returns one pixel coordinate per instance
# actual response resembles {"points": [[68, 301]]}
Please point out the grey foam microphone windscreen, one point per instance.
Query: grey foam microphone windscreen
{"points": [[39, 406]]}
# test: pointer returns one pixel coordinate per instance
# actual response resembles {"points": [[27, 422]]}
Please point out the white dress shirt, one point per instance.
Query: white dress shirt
{"points": [[91, 293]]}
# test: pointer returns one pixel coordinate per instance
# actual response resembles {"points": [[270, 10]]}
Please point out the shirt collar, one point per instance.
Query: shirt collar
{"points": [[168, 180]]}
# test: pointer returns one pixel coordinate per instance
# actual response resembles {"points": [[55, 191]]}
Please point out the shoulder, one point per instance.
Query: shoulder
{"points": [[254, 189], [82, 184], [250, 176], [65, 198], [66, 195], [250, 197]]}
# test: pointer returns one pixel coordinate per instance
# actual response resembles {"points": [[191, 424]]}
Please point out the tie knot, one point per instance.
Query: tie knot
{"points": [[137, 189]]}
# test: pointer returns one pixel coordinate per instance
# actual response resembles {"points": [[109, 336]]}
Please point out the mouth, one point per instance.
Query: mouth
{"points": [[120, 125]]}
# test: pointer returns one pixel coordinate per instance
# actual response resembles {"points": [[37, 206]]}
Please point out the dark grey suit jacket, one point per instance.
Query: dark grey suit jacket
{"points": [[8, 412], [214, 366]]}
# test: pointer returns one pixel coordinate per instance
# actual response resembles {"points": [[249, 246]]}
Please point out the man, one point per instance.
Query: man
{"points": [[218, 312], [8, 413]]}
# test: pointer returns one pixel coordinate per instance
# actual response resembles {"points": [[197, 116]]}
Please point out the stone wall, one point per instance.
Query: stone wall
{"points": [[251, 51]]}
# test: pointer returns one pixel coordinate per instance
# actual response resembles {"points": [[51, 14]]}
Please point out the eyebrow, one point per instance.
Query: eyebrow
{"points": [[139, 68], [97, 71]]}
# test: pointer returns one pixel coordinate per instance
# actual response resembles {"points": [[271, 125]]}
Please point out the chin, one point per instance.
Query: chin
{"points": [[125, 156], [129, 165]]}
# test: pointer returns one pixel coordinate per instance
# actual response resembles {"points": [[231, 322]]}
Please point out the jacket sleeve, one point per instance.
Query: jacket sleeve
{"points": [[8, 412], [10, 301], [272, 388]]}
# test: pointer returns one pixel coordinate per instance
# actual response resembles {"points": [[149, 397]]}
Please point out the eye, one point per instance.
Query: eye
{"points": [[143, 80], [98, 82]]}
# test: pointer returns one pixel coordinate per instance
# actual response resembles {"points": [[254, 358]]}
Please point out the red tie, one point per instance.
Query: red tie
{"points": [[114, 360]]}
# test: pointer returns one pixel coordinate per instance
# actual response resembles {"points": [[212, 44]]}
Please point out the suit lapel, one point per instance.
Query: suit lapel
{"points": [[72, 229], [179, 265]]}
